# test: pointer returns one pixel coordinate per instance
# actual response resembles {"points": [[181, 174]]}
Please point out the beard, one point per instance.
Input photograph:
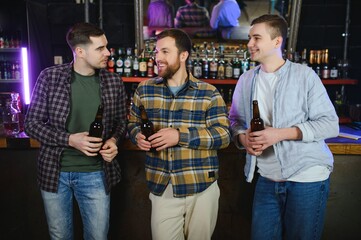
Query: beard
{"points": [[169, 71]]}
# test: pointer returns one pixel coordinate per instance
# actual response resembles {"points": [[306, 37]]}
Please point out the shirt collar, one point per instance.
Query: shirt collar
{"points": [[190, 82]]}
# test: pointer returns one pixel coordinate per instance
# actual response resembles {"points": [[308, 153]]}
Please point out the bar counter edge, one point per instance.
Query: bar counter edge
{"points": [[21, 141]]}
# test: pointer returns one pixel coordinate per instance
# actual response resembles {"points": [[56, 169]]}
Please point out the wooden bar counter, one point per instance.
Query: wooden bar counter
{"points": [[338, 145], [23, 217]]}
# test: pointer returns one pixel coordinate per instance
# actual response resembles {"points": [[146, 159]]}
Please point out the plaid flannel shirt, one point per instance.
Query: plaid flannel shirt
{"points": [[191, 15], [47, 115], [199, 113]]}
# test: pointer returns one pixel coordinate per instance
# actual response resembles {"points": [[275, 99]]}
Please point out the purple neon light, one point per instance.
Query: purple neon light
{"points": [[25, 67]]}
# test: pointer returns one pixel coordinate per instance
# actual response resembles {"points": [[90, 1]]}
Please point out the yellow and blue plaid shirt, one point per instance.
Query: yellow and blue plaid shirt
{"points": [[199, 113]]}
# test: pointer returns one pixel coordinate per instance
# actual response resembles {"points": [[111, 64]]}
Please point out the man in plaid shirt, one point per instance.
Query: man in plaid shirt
{"points": [[191, 15], [191, 123], [71, 163]]}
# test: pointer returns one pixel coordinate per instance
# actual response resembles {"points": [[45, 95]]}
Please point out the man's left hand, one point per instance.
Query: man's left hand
{"points": [[109, 150]]}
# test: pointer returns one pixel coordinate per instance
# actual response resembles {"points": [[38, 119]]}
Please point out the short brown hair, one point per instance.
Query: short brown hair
{"points": [[182, 40], [278, 25], [80, 33]]}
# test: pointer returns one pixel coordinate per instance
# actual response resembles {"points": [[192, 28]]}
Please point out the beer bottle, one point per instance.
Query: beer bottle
{"points": [[147, 127], [96, 127], [256, 122]]}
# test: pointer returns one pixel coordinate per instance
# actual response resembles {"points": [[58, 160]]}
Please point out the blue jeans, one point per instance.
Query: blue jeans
{"points": [[89, 191], [289, 210]]}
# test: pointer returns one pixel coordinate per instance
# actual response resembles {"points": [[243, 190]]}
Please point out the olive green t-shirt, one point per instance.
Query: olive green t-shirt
{"points": [[84, 101]]}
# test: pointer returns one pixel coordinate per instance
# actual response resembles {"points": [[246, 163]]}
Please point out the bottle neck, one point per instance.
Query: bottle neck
{"points": [[255, 110]]}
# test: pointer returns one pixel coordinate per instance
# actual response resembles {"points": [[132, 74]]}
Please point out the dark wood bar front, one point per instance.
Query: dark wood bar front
{"points": [[23, 217]]}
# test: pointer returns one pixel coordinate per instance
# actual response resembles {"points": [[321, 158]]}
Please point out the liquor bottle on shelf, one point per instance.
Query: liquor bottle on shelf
{"points": [[11, 116], [339, 67], [221, 68], [344, 68], [311, 60], [13, 70], [304, 57], [147, 127], [142, 65], [213, 64], [96, 127], [150, 66], [236, 68], [205, 63], [256, 121], [128, 63], [135, 63], [1, 39], [228, 69], [190, 65], [111, 60], [333, 70], [318, 63], [119, 64], [197, 67], [325, 72]]}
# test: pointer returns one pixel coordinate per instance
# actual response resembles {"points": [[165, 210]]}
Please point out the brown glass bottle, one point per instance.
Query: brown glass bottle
{"points": [[256, 122], [147, 127], [96, 127]]}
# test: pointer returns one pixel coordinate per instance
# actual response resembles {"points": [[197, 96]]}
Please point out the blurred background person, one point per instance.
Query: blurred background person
{"points": [[191, 15], [160, 14], [225, 14]]}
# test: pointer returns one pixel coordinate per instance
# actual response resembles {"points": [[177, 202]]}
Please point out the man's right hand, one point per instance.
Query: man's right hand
{"points": [[90, 146]]}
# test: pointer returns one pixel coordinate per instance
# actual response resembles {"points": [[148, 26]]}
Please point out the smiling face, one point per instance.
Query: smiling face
{"points": [[168, 59], [261, 46]]}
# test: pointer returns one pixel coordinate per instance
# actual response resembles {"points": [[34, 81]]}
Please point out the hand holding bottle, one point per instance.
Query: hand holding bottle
{"points": [[90, 146], [147, 129], [142, 142]]}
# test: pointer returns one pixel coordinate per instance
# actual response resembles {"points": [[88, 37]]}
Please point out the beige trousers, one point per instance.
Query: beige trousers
{"points": [[192, 217]]}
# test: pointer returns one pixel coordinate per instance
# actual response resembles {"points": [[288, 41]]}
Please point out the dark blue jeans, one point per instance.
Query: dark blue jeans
{"points": [[289, 210]]}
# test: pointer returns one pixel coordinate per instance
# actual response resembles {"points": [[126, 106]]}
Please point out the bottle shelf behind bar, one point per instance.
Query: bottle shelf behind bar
{"points": [[234, 81]]}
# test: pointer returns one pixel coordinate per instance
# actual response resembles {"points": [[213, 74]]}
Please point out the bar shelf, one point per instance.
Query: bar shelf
{"points": [[234, 81]]}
